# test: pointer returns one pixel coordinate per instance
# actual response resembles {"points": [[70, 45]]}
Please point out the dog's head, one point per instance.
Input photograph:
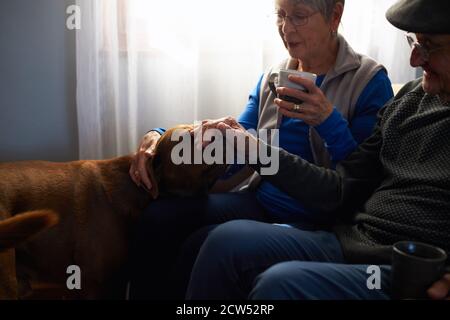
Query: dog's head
{"points": [[182, 179]]}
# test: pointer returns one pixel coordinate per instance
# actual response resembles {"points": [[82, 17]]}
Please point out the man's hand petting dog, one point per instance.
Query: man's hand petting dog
{"points": [[224, 125], [221, 124]]}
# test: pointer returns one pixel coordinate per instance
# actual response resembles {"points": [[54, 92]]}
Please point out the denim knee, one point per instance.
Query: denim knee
{"points": [[228, 251], [230, 248], [301, 280], [277, 282], [236, 238]]}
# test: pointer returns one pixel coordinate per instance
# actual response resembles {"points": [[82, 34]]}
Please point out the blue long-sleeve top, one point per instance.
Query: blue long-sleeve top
{"points": [[340, 139]]}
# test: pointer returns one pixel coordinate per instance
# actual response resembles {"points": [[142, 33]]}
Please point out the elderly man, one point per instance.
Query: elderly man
{"points": [[395, 187]]}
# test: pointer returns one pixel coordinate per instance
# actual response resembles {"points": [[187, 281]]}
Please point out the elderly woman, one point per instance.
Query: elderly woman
{"points": [[338, 113], [394, 188]]}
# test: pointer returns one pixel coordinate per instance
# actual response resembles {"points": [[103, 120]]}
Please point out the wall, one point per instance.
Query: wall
{"points": [[37, 81]]}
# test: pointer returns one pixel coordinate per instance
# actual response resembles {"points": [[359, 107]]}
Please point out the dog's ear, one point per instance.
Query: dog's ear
{"points": [[153, 173], [21, 227]]}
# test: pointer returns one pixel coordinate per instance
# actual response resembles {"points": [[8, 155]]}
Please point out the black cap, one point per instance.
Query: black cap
{"points": [[421, 16]]}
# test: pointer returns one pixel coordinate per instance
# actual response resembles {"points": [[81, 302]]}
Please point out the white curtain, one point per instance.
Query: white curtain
{"points": [[365, 27], [152, 63]]}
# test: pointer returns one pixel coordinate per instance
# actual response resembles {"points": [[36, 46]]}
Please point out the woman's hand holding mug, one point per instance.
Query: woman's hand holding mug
{"points": [[314, 110]]}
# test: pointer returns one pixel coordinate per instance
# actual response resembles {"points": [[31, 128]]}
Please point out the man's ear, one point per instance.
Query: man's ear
{"points": [[154, 176]]}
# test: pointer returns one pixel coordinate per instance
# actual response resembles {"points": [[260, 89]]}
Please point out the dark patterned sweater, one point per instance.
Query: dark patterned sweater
{"points": [[395, 186]]}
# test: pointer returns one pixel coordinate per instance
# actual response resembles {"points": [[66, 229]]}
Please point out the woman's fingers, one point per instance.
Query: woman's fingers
{"points": [[138, 168], [313, 95], [133, 170], [289, 106], [145, 152], [142, 169], [303, 108], [294, 93], [315, 108], [306, 96], [295, 110], [290, 114], [302, 116], [305, 112], [306, 83]]}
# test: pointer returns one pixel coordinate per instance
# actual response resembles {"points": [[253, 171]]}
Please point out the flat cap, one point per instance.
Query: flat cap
{"points": [[421, 16]]}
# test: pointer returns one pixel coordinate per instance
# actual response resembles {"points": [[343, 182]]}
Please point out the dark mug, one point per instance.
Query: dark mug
{"points": [[415, 267]]}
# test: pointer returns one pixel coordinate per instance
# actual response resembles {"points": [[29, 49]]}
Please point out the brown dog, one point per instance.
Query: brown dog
{"points": [[95, 203]]}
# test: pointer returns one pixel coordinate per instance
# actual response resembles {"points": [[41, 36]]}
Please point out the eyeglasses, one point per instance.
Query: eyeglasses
{"points": [[296, 20], [423, 49]]}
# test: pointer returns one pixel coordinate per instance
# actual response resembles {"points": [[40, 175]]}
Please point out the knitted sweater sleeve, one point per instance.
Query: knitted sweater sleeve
{"points": [[343, 190]]}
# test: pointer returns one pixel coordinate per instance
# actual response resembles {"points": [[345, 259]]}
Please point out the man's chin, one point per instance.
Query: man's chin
{"points": [[429, 87]]}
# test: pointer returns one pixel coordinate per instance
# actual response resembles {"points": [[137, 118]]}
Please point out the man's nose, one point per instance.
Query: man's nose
{"points": [[417, 59]]}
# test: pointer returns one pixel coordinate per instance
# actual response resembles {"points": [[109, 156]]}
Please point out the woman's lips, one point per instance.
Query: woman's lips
{"points": [[292, 44]]}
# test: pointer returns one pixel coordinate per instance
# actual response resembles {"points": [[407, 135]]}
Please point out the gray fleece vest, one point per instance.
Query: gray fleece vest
{"points": [[342, 85]]}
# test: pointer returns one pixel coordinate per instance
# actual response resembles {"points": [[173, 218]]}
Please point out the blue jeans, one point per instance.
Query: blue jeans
{"points": [[162, 229], [249, 259]]}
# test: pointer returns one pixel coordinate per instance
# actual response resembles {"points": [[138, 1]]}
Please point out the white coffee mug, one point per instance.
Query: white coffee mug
{"points": [[283, 80], [280, 79]]}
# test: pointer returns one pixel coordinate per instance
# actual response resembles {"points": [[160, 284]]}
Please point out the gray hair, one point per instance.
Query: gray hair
{"points": [[325, 7]]}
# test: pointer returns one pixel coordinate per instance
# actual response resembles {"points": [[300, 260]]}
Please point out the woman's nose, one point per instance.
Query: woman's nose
{"points": [[417, 58], [287, 26]]}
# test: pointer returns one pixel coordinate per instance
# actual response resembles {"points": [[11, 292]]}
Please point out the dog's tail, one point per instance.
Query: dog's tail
{"points": [[21, 227]]}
